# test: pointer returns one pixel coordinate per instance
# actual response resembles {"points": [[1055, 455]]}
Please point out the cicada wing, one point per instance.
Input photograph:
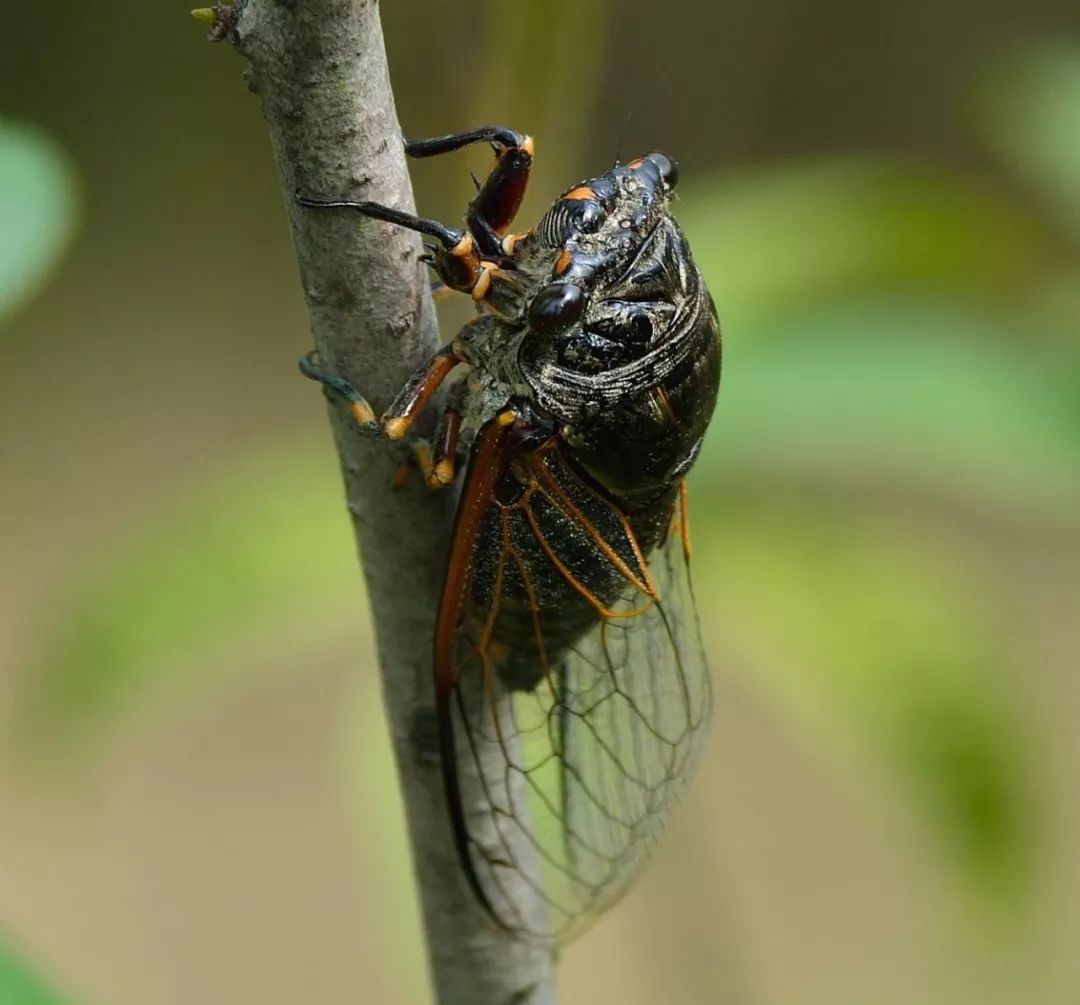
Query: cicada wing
{"points": [[633, 709], [580, 699]]}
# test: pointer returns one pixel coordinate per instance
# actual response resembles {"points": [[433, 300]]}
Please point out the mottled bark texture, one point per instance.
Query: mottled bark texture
{"points": [[319, 67]]}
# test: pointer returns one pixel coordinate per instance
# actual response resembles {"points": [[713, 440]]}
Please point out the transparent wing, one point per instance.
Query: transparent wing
{"points": [[580, 696]]}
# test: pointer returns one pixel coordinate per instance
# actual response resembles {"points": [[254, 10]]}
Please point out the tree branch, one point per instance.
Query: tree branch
{"points": [[320, 69]]}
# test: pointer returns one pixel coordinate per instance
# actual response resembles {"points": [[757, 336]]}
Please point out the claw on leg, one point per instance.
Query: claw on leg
{"points": [[341, 388], [437, 474]]}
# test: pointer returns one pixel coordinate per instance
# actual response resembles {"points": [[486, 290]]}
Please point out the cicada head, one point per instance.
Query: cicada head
{"points": [[621, 269], [621, 343]]}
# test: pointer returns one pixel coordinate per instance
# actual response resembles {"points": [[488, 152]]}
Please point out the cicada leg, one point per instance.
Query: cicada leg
{"points": [[396, 421], [499, 197], [447, 439], [338, 387], [456, 258], [437, 464], [464, 259]]}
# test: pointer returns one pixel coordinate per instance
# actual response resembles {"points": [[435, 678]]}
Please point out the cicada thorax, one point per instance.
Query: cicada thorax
{"points": [[633, 379], [643, 443]]}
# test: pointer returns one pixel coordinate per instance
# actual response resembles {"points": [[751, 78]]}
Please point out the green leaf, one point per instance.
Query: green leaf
{"points": [[264, 551], [1029, 108], [18, 986], [38, 206], [873, 639], [775, 241], [924, 396]]}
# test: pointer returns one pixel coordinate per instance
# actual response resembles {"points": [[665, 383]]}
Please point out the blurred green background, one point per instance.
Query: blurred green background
{"points": [[197, 802]]}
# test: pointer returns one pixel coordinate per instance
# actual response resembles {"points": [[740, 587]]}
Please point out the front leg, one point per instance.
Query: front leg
{"points": [[463, 259], [498, 199]]}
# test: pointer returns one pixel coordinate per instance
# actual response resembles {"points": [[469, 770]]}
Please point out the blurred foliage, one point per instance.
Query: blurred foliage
{"points": [[918, 395], [776, 240], [810, 598], [539, 91], [199, 579], [18, 986], [1030, 100], [38, 205], [922, 386], [885, 322]]}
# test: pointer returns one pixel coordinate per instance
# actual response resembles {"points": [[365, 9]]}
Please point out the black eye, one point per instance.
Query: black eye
{"points": [[556, 306], [667, 167]]}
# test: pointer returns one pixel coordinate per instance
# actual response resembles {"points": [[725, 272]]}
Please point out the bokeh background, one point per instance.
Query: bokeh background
{"points": [[197, 802]]}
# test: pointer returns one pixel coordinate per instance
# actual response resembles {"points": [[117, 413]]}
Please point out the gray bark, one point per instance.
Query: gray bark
{"points": [[319, 67]]}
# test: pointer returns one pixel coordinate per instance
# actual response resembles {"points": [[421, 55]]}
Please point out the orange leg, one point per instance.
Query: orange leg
{"points": [[411, 399], [437, 466], [409, 402], [443, 469]]}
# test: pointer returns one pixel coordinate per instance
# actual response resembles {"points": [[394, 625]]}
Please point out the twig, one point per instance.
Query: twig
{"points": [[320, 69]]}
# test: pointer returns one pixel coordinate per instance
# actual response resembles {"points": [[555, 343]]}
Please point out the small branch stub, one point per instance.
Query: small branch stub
{"points": [[221, 20]]}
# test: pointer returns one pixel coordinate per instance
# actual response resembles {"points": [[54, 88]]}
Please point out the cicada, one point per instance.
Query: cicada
{"points": [[571, 688]]}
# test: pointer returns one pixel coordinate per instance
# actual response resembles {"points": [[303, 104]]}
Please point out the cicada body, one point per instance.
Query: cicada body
{"points": [[571, 687]]}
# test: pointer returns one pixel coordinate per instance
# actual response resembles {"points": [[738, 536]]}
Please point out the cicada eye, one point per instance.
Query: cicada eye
{"points": [[668, 168], [556, 306]]}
